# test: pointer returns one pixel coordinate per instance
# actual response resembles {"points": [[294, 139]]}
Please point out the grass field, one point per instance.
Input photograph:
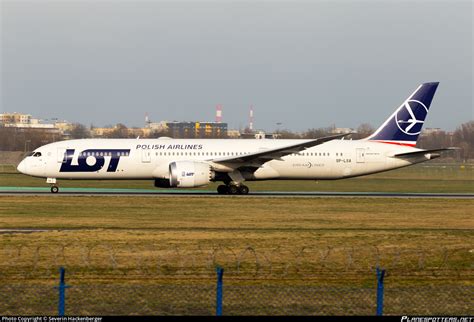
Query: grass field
{"points": [[157, 255], [291, 237], [271, 238]]}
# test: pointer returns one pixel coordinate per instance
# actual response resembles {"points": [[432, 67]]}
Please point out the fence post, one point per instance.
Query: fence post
{"points": [[380, 279], [220, 273], [62, 292]]}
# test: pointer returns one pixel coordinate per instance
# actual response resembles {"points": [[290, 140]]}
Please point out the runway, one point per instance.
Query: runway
{"points": [[44, 191]]}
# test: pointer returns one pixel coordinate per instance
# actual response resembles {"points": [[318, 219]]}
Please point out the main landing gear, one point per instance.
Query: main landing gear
{"points": [[54, 189], [232, 189]]}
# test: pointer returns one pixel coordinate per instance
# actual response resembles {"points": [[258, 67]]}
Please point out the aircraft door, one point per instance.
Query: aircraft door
{"points": [[146, 156], [360, 155], [60, 155]]}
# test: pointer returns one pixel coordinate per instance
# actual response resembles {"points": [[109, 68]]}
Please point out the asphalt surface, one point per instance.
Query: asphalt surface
{"points": [[44, 191]]}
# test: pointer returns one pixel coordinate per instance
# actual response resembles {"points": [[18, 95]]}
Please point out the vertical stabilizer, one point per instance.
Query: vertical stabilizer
{"points": [[404, 125]]}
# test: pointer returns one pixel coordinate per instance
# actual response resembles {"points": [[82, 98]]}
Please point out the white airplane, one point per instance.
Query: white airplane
{"points": [[187, 163]]}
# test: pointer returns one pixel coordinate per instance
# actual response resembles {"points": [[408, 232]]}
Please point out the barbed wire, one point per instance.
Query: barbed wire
{"points": [[146, 259]]}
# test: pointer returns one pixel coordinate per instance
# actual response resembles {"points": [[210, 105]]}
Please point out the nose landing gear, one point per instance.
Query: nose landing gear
{"points": [[232, 189], [52, 182]]}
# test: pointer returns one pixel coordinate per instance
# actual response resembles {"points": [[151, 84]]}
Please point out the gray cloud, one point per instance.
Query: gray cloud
{"points": [[305, 64]]}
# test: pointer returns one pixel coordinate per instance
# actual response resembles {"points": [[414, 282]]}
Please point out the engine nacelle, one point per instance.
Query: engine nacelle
{"points": [[189, 174]]}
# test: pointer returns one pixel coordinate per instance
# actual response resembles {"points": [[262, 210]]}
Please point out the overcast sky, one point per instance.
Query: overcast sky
{"points": [[303, 64]]}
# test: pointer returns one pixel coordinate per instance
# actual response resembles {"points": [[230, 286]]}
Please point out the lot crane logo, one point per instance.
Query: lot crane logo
{"points": [[92, 160], [406, 117]]}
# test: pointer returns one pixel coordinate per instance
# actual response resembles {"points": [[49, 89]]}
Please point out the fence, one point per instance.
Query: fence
{"points": [[222, 297], [42, 260]]}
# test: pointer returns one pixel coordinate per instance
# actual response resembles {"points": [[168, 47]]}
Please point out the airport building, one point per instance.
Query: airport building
{"points": [[197, 129], [431, 130], [341, 130], [25, 121], [16, 118]]}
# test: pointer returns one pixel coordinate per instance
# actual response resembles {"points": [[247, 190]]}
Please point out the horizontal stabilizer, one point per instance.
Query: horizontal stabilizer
{"points": [[423, 152]]}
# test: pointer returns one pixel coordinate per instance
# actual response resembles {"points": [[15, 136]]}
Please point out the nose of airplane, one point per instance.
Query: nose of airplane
{"points": [[22, 167]]}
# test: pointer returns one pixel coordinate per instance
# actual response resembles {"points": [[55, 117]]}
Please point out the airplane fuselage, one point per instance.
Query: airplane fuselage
{"points": [[150, 158]]}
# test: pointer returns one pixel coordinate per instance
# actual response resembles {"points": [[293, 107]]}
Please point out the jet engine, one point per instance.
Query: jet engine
{"points": [[187, 174]]}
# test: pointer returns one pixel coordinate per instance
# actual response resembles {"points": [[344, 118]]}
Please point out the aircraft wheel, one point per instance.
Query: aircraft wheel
{"points": [[243, 190], [222, 189], [233, 190], [54, 189]]}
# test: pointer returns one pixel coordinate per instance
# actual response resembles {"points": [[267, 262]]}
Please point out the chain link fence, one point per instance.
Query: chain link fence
{"points": [[153, 280], [157, 298]]}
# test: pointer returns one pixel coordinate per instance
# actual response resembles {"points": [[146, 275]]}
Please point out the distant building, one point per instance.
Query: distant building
{"points": [[197, 129], [101, 131], [63, 126], [233, 134], [25, 121], [260, 135], [128, 132], [157, 126], [431, 130], [15, 118], [341, 130]]}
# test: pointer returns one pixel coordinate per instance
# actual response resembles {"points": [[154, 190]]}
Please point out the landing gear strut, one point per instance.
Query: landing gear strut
{"points": [[232, 189], [52, 182]]}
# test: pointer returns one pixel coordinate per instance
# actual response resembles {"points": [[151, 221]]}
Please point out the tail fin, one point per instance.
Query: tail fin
{"points": [[404, 125]]}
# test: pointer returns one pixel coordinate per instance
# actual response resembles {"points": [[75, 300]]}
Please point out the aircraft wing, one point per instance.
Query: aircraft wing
{"points": [[259, 158]]}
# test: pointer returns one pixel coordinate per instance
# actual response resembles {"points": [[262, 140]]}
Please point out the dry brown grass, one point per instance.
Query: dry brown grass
{"points": [[140, 238]]}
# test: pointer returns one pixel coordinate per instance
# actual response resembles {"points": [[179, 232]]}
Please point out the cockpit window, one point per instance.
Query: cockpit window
{"points": [[37, 154]]}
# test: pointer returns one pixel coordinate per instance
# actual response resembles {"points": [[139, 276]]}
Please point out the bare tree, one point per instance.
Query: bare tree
{"points": [[79, 131], [363, 131], [287, 134], [316, 133], [120, 132], [463, 138]]}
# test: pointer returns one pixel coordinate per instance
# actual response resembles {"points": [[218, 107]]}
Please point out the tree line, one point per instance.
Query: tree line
{"points": [[24, 139]]}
